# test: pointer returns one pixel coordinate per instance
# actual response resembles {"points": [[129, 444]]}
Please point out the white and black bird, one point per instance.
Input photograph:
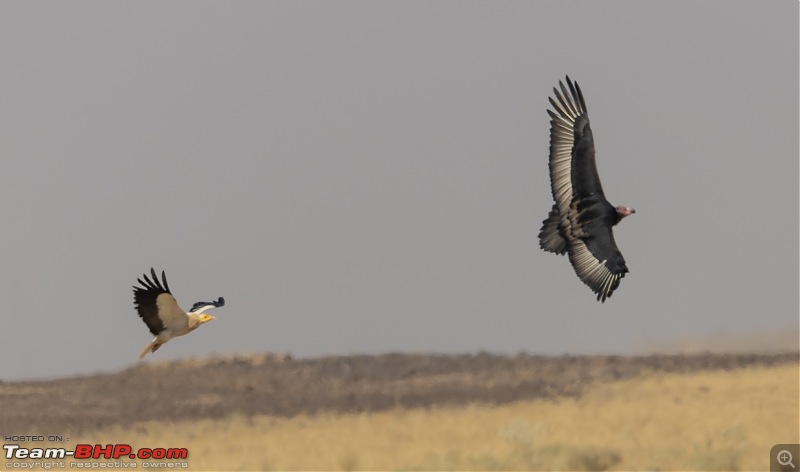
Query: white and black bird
{"points": [[581, 220], [161, 313]]}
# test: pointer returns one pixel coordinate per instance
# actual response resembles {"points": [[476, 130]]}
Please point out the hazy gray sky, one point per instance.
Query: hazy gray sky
{"points": [[372, 176]]}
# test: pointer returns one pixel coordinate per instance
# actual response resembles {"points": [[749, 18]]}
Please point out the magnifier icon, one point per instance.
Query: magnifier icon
{"points": [[785, 458]]}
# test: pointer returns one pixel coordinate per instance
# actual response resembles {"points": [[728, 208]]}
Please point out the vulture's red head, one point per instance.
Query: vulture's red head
{"points": [[623, 211]]}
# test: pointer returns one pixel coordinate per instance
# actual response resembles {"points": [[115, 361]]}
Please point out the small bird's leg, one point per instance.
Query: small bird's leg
{"points": [[154, 344]]}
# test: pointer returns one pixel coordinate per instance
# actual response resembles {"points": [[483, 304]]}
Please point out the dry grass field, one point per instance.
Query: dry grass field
{"points": [[724, 420], [704, 412]]}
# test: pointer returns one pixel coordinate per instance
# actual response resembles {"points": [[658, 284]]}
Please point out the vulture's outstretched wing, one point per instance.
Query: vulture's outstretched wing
{"points": [[582, 218], [573, 171], [200, 307], [156, 305], [598, 262]]}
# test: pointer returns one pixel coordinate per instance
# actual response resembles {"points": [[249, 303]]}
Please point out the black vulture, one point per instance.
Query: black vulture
{"points": [[581, 220]]}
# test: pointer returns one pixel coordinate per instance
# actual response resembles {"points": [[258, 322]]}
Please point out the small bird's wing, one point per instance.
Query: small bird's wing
{"points": [[156, 305], [200, 307]]}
